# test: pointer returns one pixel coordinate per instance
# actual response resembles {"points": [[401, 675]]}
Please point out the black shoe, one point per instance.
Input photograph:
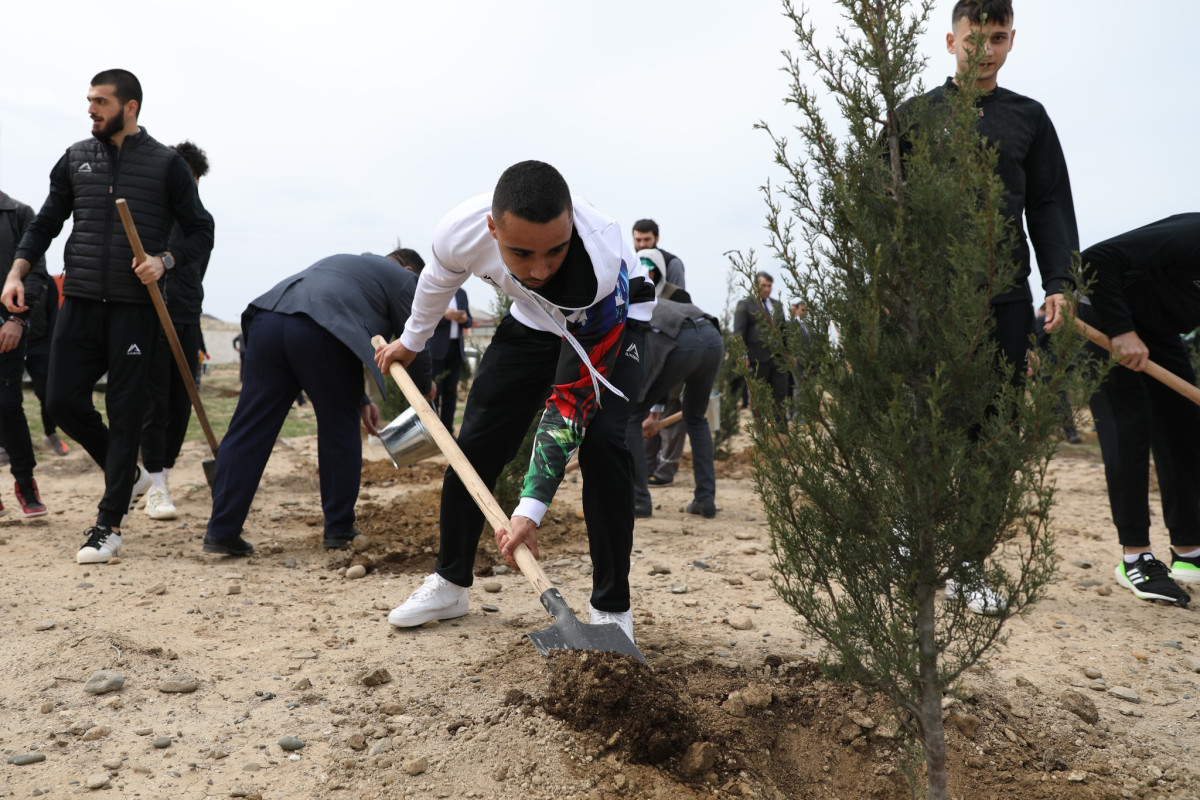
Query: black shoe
{"points": [[653, 481], [642, 512], [1149, 579], [236, 546], [340, 540], [706, 511], [1073, 437]]}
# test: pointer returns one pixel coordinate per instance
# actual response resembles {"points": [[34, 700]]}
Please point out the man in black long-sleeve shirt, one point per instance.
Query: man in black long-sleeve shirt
{"points": [[1037, 196], [1145, 293], [107, 323], [170, 406]]}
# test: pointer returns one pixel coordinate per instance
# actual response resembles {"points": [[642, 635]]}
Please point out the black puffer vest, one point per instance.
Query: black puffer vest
{"points": [[98, 258]]}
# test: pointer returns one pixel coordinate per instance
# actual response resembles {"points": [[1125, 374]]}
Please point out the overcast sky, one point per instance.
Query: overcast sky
{"points": [[340, 127]]}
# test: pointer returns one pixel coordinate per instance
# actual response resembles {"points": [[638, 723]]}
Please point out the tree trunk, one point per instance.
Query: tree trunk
{"points": [[933, 735]]}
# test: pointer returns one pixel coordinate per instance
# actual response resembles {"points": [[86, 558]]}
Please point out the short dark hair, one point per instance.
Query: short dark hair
{"points": [[408, 258], [646, 226], [194, 155], [997, 11], [533, 191], [125, 85], [760, 275]]}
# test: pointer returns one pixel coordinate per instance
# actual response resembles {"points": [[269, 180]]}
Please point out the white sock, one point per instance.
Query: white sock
{"points": [[1188, 554], [157, 480], [1132, 559]]}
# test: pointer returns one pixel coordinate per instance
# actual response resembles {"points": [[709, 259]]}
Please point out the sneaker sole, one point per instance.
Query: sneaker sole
{"points": [[94, 557], [1186, 575], [1124, 581], [161, 514], [431, 616], [32, 514]]}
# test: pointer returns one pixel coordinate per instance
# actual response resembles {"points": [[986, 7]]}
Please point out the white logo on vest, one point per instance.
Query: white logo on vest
{"points": [[85, 167], [133, 350], [632, 352]]}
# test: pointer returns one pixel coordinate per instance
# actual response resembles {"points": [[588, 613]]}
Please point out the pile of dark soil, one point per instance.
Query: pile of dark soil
{"points": [[782, 730]]}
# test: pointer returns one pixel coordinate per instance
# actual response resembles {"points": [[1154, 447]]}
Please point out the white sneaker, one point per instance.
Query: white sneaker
{"points": [[102, 544], [982, 599], [159, 505], [622, 619], [141, 484], [436, 598]]}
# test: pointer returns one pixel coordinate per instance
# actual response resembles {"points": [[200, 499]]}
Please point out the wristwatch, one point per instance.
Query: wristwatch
{"points": [[167, 259]]}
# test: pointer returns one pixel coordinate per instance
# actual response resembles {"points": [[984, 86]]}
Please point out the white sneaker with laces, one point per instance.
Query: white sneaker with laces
{"points": [[141, 485], [102, 545], [435, 599], [159, 504], [622, 619], [981, 599]]}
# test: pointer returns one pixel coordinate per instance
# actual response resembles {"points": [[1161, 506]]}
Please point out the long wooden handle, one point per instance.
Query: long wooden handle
{"points": [[1160, 374], [185, 367], [466, 473]]}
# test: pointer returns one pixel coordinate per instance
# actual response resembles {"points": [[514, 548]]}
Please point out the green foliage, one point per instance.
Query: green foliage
{"points": [[918, 461], [729, 419]]}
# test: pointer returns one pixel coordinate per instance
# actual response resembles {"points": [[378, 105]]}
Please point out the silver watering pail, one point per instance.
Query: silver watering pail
{"points": [[406, 439]]}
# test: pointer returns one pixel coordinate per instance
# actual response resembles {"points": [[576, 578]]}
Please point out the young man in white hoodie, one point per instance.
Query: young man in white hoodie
{"points": [[570, 346]]}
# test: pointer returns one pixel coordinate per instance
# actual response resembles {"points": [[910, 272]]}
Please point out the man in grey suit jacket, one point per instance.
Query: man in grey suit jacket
{"points": [[312, 332]]}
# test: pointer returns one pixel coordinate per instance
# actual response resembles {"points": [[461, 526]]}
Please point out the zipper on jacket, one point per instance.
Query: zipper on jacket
{"points": [[109, 211]]}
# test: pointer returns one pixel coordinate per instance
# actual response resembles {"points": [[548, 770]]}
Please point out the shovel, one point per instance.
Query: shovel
{"points": [[566, 632], [1159, 373], [185, 368]]}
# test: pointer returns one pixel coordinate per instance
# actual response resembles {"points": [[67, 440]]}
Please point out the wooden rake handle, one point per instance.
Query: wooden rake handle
{"points": [[185, 367], [1160, 374], [466, 473]]}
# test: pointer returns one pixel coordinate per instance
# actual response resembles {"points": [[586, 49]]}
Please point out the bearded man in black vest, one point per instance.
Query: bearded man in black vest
{"points": [[107, 322]]}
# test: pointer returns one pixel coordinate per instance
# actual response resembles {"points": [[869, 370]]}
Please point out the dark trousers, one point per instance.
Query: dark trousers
{"points": [[694, 362], [170, 407], [90, 338], [664, 450], [512, 385], [446, 372], [37, 364], [14, 428], [768, 372], [286, 353], [1136, 415]]}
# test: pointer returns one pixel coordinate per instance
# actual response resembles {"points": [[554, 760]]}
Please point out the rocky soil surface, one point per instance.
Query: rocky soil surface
{"points": [[172, 673]]}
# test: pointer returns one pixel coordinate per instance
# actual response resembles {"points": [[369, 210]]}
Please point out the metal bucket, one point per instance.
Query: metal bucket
{"points": [[713, 413], [406, 439]]}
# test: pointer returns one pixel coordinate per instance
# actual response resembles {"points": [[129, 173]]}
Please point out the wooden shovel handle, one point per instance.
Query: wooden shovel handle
{"points": [[185, 367], [1160, 374], [466, 473]]}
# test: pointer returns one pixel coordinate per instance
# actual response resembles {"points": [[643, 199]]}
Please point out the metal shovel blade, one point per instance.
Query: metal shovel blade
{"points": [[210, 470], [568, 633]]}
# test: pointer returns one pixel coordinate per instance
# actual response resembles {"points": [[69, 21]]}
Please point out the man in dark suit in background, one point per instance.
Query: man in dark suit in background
{"points": [[312, 332], [754, 319], [447, 349]]}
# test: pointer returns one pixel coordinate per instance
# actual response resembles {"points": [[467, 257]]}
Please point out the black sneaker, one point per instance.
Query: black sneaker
{"points": [[1149, 579], [336, 541], [642, 512], [236, 546], [654, 481], [1185, 569], [27, 496], [707, 511]]}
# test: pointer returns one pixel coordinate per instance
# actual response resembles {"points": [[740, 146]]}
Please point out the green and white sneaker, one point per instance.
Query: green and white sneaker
{"points": [[1183, 569], [1149, 579]]}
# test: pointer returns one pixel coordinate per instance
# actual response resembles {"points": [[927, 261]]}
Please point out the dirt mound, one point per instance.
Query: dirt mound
{"points": [[783, 730], [623, 701], [382, 473]]}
